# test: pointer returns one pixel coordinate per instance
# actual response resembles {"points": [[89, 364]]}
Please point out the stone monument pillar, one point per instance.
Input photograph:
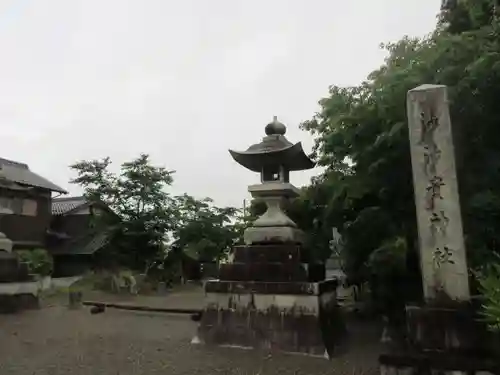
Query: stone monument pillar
{"points": [[444, 334], [273, 295], [442, 249]]}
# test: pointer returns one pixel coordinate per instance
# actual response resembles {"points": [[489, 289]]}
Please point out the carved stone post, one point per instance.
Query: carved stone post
{"points": [[442, 250], [444, 334]]}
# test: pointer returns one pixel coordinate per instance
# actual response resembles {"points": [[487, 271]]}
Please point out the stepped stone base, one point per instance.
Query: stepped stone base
{"points": [[272, 297], [298, 317], [11, 270], [272, 263], [18, 291]]}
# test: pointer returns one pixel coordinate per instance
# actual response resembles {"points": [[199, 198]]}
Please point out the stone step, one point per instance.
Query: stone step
{"points": [[271, 253], [271, 271]]}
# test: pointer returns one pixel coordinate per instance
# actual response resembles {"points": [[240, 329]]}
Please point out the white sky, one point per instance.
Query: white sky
{"points": [[181, 80]]}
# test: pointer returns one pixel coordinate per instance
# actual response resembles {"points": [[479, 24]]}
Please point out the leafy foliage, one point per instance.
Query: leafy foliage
{"points": [[489, 281], [458, 16], [138, 197], [152, 222], [39, 261], [387, 273], [204, 231]]}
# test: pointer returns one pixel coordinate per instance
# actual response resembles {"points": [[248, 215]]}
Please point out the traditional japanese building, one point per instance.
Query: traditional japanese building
{"points": [[25, 204]]}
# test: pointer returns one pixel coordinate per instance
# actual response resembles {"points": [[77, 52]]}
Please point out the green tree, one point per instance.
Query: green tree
{"points": [[138, 196], [361, 138], [458, 16], [39, 261], [203, 230]]}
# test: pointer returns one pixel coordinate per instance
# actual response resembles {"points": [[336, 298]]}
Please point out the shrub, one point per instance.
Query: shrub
{"points": [[39, 261], [387, 269], [489, 286]]}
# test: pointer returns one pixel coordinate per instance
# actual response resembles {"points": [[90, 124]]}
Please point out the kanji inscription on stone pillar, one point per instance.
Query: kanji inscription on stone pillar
{"points": [[442, 248]]}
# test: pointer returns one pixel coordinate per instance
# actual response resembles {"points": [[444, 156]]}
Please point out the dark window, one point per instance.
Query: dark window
{"points": [[11, 205], [18, 206]]}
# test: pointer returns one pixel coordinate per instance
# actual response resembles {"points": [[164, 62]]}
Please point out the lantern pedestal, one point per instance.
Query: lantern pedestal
{"points": [[272, 298], [274, 226]]}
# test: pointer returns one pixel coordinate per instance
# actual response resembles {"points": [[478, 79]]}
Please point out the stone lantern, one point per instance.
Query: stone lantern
{"points": [[273, 295], [274, 158]]}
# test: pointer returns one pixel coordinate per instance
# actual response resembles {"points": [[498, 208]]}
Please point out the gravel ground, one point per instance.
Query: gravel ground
{"points": [[58, 341]]}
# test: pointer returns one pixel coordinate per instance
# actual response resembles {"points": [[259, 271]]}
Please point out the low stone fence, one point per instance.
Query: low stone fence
{"points": [[35, 287], [18, 296]]}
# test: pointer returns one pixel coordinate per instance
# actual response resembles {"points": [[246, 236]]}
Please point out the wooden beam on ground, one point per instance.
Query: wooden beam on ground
{"points": [[123, 306]]}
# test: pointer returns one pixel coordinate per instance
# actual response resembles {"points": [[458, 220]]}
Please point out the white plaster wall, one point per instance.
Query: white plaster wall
{"points": [[33, 287]]}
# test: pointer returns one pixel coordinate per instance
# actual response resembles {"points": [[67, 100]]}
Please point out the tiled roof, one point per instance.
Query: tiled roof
{"points": [[60, 206], [21, 174], [94, 244], [85, 245]]}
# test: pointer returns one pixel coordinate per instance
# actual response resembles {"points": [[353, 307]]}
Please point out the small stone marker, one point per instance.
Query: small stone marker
{"points": [[162, 288], [75, 299], [442, 249], [336, 244]]}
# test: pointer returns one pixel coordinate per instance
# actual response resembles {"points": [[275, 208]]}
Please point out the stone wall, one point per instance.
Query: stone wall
{"points": [[18, 296]]}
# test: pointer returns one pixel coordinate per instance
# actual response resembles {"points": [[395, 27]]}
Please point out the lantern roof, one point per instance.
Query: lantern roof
{"points": [[273, 151]]}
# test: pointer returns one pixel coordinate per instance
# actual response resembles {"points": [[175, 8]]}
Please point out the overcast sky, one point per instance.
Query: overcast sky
{"points": [[181, 80]]}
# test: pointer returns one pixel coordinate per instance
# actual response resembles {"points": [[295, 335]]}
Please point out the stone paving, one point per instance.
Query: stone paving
{"points": [[59, 341]]}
